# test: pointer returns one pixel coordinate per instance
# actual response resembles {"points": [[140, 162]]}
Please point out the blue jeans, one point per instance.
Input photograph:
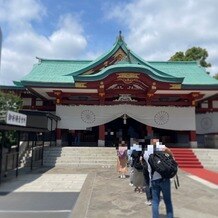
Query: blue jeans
{"points": [[148, 193], [161, 185]]}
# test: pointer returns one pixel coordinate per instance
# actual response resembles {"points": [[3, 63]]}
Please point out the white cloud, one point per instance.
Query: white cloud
{"points": [[23, 44], [68, 41], [157, 29], [18, 14]]}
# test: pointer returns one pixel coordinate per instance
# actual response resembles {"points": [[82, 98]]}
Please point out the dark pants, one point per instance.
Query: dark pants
{"points": [[147, 185], [161, 185]]}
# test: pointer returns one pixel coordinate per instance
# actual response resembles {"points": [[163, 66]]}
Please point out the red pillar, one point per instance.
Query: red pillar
{"points": [[58, 136], [149, 131], [101, 139], [193, 138], [210, 105], [33, 104]]}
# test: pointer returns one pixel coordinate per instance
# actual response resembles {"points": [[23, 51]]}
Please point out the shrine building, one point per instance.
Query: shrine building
{"points": [[120, 96]]}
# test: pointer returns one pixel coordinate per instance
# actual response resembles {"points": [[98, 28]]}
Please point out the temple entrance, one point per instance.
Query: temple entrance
{"points": [[172, 138], [123, 129]]}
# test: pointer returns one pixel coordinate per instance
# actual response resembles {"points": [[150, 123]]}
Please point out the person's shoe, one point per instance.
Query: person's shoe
{"points": [[148, 202]]}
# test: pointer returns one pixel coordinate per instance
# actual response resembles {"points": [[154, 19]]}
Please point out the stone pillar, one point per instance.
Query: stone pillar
{"points": [[193, 139], [58, 137], [101, 139]]}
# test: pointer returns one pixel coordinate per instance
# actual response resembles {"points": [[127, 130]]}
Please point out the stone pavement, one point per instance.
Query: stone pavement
{"points": [[104, 195]]}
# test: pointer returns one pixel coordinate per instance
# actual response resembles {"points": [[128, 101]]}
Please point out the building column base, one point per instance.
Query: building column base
{"points": [[101, 143], [193, 144]]}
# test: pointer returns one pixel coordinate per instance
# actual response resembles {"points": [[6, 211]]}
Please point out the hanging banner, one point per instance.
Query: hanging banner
{"points": [[83, 117], [207, 123]]}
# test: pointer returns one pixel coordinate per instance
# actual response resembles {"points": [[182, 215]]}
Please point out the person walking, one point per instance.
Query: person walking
{"points": [[158, 185], [122, 159], [137, 177]]}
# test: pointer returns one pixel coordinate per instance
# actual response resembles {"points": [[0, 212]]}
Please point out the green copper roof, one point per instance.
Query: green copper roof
{"points": [[18, 84], [53, 71], [64, 72], [193, 73]]}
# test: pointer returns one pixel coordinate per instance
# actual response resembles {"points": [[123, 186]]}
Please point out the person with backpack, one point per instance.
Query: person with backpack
{"points": [[159, 183], [138, 178], [122, 159]]}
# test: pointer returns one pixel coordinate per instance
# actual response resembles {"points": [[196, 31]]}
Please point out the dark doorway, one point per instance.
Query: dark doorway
{"points": [[165, 136], [117, 131]]}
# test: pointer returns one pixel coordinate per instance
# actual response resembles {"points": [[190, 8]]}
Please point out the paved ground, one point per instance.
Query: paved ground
{"points": [[54, 193], [40, 195]]}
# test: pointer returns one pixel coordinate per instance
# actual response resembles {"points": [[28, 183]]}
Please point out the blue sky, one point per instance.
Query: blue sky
{"points": [[84, 29]]}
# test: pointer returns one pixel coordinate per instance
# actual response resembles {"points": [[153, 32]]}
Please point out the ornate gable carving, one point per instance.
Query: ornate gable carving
{"points": [[117, 57], [125, 97], [127, 87]]}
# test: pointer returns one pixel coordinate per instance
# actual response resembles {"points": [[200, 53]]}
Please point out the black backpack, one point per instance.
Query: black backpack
{"points": [[163, 163]]}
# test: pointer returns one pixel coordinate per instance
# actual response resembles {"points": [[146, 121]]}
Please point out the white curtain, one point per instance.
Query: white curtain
{"points": [[82, 117], [207, 123]]}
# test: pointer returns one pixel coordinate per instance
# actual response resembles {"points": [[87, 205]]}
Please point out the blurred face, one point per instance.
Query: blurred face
{"points": [[123, 143], [153, 141]]}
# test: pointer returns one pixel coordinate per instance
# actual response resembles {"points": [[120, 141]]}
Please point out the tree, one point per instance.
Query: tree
{"points": [[192, 54], [9, 101], [215, 76]]}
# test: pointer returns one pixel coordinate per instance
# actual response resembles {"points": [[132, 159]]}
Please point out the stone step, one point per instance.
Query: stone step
{"points": [[80, 156], [81, 159], [82, 162], [82, 165], [208, 157], [80, 153]]}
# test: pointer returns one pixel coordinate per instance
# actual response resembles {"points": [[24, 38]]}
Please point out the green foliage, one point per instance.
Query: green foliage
{"points": [[192, 54], [9, 139], [215, 76], [179, 56], [9, 101]]}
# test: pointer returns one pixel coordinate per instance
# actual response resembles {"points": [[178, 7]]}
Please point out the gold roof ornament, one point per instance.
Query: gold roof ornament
{"points": [[175, 86], [80, 85]]}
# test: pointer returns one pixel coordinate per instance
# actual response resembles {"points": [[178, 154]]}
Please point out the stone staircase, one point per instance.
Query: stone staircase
{"points": [[80, 156], [208, 157]]}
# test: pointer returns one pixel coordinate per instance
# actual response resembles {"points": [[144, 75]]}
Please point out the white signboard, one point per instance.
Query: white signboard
{"points": [[15, 118]]}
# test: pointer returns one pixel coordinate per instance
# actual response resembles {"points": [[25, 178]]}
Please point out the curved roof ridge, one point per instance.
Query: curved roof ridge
{"points": [[153, 73], [175, 62], [118, 43], [146, 63], [61, 60]]}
